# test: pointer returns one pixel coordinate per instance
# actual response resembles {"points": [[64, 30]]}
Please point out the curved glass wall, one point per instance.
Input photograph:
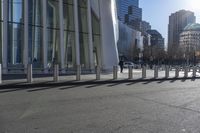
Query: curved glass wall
{"points": [[69, 34], [83, 35], [15, 31], [35, 32], [53, 31], [1, 22], [96, 39]]}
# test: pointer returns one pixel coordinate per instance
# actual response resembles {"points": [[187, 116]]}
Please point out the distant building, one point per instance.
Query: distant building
{"points": [[177, 23], [130, 42], [190, 41], [144, 26], [157, 43], [128, 11]]}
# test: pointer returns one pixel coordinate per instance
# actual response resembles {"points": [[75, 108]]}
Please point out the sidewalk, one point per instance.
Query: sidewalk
{"points": [[13, 80]]}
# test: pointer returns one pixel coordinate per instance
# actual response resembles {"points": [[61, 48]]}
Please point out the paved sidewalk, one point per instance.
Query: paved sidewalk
{"points": [[15, 79]]}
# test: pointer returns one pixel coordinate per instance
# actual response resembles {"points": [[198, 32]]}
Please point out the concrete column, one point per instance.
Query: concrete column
{"points": [[76, 20], [44, 35], [98, 72], [115, 70], [130, 72], [91, 55], [29, 73], [62, 48], [78, 72], [25, 50], [56, 73], [0, 75], [144, 75], [5, 37], [155, 71]]}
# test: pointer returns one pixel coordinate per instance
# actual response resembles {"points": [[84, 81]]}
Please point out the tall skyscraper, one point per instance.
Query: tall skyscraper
{"points": [[129, 11], [177, 22]]}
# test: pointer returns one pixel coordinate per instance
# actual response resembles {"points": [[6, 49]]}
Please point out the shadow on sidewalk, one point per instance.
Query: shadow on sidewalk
{"points": [[33, 87]]}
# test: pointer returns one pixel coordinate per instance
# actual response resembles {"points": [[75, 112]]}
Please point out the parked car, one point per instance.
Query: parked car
{"points": [[128, 64]]}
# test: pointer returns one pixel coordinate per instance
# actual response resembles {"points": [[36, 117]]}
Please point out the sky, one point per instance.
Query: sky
{"points": [[157, 12]]}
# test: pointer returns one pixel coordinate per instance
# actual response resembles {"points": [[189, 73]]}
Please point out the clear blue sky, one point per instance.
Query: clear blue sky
{"points": [[157, 12]]}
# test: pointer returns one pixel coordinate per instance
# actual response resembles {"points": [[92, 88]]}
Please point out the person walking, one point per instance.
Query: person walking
{"points": [[121, 64]]}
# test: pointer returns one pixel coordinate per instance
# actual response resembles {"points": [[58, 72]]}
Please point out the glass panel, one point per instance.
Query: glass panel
{"points": [[68, 17], [52, 14], [83, 25], [1, 52], [97, 49], [53, 43], [95, 24], [68, 1], [82, 3], [70, 52], [35, 12], [1, 10], [35, 46], [16, 11], [84, 50], [15, 43]]}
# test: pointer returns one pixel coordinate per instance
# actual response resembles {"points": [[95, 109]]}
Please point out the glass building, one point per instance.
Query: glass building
{"points": [[128, 10], [64, 32]]}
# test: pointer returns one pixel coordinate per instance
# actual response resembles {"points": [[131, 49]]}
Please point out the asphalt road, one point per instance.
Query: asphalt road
{"points": [[171, 106]]}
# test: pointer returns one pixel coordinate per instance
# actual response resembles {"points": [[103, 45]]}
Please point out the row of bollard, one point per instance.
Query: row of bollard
{"points": [[56, 73], [115, 72]]}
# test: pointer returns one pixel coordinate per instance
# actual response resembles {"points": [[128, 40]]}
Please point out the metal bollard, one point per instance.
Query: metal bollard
{"points": [[29, 73], [98, 72], [177, 72], [156, 72], [186, 72], [0, 75], [56, 73], [144, 75], [130, 72], [115, 69], [166, 71], [194, 71], [78, 72]]}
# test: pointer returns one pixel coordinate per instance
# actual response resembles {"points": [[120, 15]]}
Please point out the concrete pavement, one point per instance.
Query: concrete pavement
{"points": [[159, 106]]}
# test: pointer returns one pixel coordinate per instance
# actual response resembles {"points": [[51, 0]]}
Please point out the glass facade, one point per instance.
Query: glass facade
{"points": [[15, 31], [49, 41]]}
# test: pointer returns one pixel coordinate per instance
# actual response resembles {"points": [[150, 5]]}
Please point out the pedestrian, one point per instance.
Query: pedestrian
{"points": [[121, 64]]}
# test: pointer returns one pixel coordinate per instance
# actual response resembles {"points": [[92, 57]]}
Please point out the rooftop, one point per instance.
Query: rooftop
{"points": [[192, 26]]}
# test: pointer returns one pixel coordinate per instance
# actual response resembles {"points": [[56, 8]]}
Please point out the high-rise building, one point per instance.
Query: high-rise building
{"points": [[177, 22], [157, 44], [144, 26], [128, 10], [65, 32]]}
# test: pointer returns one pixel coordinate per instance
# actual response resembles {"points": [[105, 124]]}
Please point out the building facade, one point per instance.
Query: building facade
{"points": [[66, 32], [177, 23], [190, 42], [157, 47], [128, 10], [130, 42]]}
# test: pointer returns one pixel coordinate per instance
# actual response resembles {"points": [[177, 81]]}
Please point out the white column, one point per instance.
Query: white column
{"points": [[76, 32], [44, 33], [5, 37], [91, 56], [62, 49], [25, 52]]}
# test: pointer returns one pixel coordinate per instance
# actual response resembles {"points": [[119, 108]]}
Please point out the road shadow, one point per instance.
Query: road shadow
{"points": [[33, 87]]}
